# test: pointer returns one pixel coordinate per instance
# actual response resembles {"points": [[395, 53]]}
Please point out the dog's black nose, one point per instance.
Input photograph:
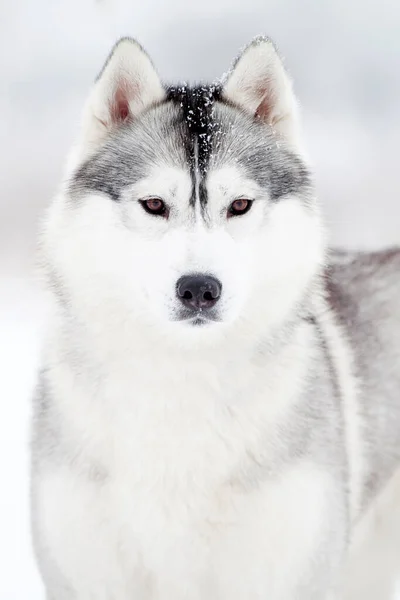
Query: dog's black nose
{"points": [[198, 292]]}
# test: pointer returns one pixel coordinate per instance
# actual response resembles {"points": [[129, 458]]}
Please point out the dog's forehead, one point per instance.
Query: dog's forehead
{"points": [[195, 132]]}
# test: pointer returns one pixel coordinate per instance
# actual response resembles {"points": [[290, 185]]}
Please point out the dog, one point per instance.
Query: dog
{"points": [[218, 407]]}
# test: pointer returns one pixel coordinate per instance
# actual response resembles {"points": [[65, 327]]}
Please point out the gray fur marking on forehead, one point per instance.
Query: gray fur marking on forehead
{"points": [[193, 129]]}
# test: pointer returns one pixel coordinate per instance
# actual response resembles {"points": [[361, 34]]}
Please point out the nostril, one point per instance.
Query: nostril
{"points": [[187, 295], [209, 297]]}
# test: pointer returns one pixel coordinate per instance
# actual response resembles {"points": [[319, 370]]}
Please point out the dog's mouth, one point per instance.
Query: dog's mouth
{"points": [[198, 318], [199, 321]]}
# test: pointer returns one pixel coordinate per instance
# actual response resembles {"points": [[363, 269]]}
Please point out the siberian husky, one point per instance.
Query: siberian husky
{"points": [[219, 402]]}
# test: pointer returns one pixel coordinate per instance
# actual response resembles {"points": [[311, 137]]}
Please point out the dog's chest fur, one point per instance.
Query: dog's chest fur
{"points": [[178, 469]]}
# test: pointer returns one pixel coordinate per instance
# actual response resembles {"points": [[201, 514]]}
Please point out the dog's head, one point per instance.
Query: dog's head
{"points": [[189, 208]]}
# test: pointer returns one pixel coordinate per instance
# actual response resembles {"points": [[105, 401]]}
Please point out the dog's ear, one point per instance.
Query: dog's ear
{"points": [[259, 85], [127, 85]]}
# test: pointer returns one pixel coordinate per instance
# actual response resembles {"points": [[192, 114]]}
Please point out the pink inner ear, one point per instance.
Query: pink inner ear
{"points": [[264, 109], [119, 106], [263, 112]]}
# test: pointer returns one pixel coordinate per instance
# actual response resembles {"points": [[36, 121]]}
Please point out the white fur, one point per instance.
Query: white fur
{"points": [[175, 499]]}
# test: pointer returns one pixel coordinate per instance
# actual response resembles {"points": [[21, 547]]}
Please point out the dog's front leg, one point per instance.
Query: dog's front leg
{"points": [[286, 538]]}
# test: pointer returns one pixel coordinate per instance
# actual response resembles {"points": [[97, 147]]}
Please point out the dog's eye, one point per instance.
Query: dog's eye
{"points": [[155, 206], [239, 207]]}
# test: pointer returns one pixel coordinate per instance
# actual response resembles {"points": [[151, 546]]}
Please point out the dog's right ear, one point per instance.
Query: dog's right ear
{"points": [[259, 85], [127, 85]]}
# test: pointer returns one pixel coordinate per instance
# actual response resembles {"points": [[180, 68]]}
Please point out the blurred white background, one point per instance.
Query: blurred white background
{"points": [[344, 56]]}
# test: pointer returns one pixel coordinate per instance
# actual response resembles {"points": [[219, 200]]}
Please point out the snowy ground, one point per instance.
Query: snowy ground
{"points": [[345, 61]]}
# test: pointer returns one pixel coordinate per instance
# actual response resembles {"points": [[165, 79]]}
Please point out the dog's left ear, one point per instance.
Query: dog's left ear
{"points": [[259, 85], [127, 86]]}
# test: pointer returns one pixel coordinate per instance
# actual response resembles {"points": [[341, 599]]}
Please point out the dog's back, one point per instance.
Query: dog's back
{"points": [[364, 293]]}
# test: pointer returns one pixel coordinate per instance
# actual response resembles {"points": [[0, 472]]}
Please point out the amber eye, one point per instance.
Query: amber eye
{"points": [[239, 207], [155, 206]]}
